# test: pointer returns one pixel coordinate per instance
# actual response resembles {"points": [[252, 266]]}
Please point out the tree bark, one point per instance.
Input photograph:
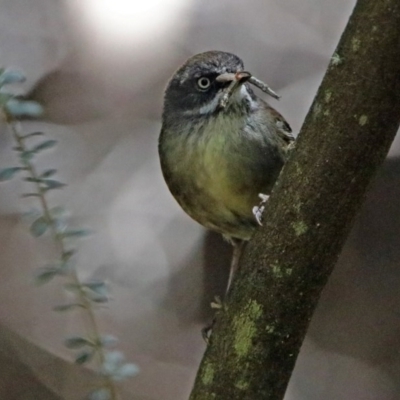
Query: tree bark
{"points": [[345, 138]]}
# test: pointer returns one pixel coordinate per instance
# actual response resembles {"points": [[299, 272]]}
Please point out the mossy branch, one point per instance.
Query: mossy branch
{"points": [[345, 138]]}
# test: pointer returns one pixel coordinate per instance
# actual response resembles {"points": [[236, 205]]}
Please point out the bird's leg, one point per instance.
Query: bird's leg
{"points": [[258, 210], [238, 247]]}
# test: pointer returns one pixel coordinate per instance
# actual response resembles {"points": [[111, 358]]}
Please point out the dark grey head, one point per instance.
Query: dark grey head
{"points": [[194, 88]]}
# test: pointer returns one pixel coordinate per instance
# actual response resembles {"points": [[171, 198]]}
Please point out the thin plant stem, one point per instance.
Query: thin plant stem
{"points": [[59, 240]]}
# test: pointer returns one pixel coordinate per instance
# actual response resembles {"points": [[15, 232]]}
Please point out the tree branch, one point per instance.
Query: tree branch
{"points": [[346, 136]]}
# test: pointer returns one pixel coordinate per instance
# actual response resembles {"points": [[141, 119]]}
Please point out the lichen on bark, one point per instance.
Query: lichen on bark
{"points": [[344, 139]]}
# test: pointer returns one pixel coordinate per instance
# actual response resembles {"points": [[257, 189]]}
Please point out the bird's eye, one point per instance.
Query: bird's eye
{"points": [[203, 83]]}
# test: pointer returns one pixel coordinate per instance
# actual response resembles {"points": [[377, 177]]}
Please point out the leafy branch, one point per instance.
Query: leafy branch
{"points": [[88, 295]]}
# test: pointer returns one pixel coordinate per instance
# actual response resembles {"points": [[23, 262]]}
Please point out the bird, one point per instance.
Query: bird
{"points": [[221, 147]]}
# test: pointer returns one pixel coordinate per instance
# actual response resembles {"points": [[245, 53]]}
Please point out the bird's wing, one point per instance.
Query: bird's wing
{"points": [[284, 130]]}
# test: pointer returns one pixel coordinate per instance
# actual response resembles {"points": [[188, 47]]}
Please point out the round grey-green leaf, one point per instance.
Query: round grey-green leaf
{"points": [[39, 226], [19, 108], [8, 173], [100, 394], [11, 76]]}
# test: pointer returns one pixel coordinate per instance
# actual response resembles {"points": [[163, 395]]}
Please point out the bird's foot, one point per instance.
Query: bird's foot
{"points": [[216, 304], [206, 331], [258, 210], [290, 148]]}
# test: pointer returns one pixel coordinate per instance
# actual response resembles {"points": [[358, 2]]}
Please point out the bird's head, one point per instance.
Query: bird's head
{"points": [[197, 88]]}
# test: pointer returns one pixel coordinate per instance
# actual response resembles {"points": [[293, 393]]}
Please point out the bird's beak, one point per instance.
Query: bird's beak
{"points": [[235, 81], [238, 78]]}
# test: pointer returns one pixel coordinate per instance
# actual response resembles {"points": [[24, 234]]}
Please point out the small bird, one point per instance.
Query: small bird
{"points": [[221, 147]]}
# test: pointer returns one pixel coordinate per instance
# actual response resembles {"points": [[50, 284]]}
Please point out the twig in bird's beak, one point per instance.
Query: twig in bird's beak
{"points": [[236, 80], [227, 93], [264, 87]]}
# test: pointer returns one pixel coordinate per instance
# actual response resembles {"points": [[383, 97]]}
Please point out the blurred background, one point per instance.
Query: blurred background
{"points": [[100, 67]]}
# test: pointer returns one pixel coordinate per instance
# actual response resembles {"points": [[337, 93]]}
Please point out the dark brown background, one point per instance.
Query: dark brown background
{"points": [[103, 93]]}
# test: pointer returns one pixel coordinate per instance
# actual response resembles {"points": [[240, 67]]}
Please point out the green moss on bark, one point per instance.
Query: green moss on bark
{"points": [[345, 137]]}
